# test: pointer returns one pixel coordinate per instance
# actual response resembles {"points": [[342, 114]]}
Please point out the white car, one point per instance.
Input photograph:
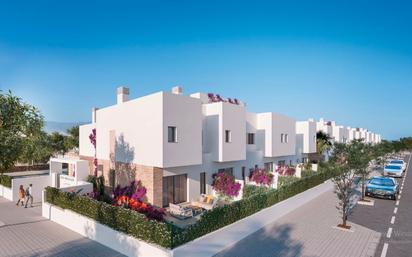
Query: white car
{"points": [[400, 163]]}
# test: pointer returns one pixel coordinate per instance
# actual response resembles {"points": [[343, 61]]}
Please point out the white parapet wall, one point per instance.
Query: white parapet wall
{"points": [[38, 182], [6, 192], [205, 246], [102, 234]]}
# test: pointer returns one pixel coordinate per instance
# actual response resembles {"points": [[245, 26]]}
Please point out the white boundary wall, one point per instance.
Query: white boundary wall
{"points": [[39, 183], [6, 193], [206, 246], [102, 234]]}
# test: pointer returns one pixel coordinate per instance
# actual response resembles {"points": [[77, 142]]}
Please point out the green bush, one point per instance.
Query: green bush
{"points": [[249, 190], [283, 180], [117, 218], [256, 201], [5, 181], [170, 236]]}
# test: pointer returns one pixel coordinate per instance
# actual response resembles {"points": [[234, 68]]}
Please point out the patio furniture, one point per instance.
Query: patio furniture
{"points": [[196, 210], [180, 211], [207, 202]]}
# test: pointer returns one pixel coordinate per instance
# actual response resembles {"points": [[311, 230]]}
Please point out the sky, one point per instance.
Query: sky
{"points": [[349, 61]]}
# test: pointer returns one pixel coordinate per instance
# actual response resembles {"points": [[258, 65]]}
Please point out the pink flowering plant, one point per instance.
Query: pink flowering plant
{"points": [[92, 138], [225, 185], [261, 177]]}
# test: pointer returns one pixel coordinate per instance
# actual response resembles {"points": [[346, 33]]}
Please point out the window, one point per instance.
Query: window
{"points": [[171, 134], [174, 189], [282, 138], [228, 136], [251, 138], [227, 171], [243, 173], [268, 166], [203, 182], [286, 138]]}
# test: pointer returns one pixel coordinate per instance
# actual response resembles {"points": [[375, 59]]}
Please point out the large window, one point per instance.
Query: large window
{"points": [[171, 134], [269, 166], [284, 138], [243, 173], [174, 189], [227, 171], [251, 138], [228, 136], [203, 182]]}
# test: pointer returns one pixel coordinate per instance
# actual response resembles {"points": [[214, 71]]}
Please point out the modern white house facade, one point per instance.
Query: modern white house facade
{"points": [[305, 140], [173, 143], [342, 134]]}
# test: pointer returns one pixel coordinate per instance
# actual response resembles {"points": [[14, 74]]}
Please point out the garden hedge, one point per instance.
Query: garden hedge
{"points": [[170, 236], [228, 214], [118, 218], [5, 181]]}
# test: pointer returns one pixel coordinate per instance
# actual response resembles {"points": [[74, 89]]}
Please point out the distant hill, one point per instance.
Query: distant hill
{"points": [[61, 127]]}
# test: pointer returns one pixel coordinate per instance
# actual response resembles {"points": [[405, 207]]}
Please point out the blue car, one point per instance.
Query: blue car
{"points": [[385, 187], [393, 171]]}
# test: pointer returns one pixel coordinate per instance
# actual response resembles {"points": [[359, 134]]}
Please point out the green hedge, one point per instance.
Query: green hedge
{"points": [[120, 219], [228, 214], [170, 236], [249, 190], [5, 180]]}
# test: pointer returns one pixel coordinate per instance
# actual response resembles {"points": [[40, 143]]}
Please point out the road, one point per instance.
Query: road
{"points": [[391, 218]]}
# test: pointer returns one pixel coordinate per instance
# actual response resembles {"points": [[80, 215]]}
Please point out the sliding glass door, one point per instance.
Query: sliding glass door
{"points": [[174, 189]]}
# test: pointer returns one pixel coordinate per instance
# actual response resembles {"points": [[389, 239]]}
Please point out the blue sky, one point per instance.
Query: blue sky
{"points": [[350, 62]]}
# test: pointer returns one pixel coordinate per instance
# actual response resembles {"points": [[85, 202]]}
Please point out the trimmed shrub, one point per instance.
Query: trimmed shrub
{"points": [[283, 180], [249, 190], [124, 220], [225, 215], [170, 236], [5, 181]]}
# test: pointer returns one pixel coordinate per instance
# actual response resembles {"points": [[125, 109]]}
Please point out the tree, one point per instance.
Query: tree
{"points": [[71, 141], [358, 161], [19, 121], [343, 181], [356, 155], [36, 149], [323, 143], [57, 143]]}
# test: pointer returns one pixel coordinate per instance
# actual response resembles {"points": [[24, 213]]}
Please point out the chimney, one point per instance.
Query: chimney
{"points": [[177, 90], [122, 94], [94, 109]]}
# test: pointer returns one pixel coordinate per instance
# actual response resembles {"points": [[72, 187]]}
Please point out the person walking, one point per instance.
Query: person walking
{"points": [[29, 195], [21, 196]]}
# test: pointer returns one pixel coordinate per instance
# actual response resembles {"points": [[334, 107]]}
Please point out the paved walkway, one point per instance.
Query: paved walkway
{"points": [[308, 231], [23, 232]]}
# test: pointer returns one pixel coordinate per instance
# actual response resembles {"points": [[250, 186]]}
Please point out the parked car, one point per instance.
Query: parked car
{"points": [[393, 171], [401, 163], [385, 187]]}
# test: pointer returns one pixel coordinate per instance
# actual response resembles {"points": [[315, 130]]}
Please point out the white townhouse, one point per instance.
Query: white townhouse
{"points": [[305, 140], [173, 143], [325, 127]]}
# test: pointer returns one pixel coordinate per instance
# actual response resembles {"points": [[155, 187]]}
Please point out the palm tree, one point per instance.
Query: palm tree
{"points": [[323, 143]]}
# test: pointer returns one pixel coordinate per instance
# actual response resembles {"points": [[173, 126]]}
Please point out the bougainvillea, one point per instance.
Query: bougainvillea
{"points": [[133, 197], [287, 171], [261, 177], [141, 207], [225, 185], [92, 138]]}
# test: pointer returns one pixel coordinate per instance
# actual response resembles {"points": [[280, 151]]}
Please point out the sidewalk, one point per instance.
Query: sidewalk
{"points": [[307, 231], [24, 232]]}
